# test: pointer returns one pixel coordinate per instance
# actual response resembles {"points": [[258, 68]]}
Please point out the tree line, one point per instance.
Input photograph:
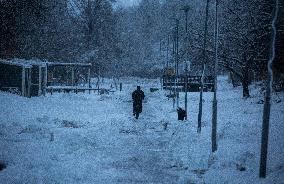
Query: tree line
{"points": [[60, 30], [148, 34], [142, 40]]}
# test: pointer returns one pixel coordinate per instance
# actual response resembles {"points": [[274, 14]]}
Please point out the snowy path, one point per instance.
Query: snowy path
{"points": [[69, 138], [143, 154]]}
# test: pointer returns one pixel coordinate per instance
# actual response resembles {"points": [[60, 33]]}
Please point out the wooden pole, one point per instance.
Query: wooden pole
{"points": [[185, 100], [89, 79], [161, 82], [204, 66], [165, 75], [45, 80], [267, 105], [39, 81], [29, 82], [168, 43], [214, 107], [175, 66], [99, 81], [200, 100], [186, 9], [23, 81], [177, 55], [72, 76]]}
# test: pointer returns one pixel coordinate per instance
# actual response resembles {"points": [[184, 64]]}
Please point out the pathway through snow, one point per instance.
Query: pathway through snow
{"points": [[69, 138]]}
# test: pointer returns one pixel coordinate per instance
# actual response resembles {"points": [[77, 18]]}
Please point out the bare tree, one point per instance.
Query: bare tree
{"points": [[245, 30], [205, 58]]}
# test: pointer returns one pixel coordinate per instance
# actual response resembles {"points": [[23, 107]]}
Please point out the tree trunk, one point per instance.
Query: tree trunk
{"points": [[233, 79], [245, 85], [245, 79]]}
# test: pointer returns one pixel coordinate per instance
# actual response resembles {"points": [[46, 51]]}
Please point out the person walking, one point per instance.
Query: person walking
{"points": [[181, 113], [137, 97]]}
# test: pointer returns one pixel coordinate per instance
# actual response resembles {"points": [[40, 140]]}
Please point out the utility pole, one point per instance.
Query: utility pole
{"points": [[214, 106], [204, 67]]}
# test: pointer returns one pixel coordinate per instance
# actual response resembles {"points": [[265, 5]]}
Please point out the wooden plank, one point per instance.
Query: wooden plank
{"points": [[70, 88], [75, 90], [69, 64]]}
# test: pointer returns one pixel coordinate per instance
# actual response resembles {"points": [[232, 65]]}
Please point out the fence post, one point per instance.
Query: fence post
{"points": [[39, 81], [89, 80], [45, 80], [72, 76], [185, 101], [23, 81], [29, 81]]}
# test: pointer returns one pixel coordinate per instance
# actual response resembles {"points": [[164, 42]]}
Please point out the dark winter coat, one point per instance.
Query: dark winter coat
{"points": [[137, 97], [181, 114]]}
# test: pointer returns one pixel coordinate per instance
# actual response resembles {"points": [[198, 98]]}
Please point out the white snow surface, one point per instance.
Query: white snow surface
{"points": [[91, 138]]}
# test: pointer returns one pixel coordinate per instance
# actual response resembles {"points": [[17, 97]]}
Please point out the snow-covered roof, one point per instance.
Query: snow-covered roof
{"points": [[68, 64], [37, 62], [23, 62]]}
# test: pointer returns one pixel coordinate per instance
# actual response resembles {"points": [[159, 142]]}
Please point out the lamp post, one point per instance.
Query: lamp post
{"points": [[175, 52], [177, 58], [214, 107]]}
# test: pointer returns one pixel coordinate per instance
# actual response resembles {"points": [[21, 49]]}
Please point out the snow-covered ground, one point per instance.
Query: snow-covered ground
{"points": [[91, 138]]}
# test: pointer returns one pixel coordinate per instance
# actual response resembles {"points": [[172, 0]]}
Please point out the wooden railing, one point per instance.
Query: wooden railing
{"points": [[193, 83]]}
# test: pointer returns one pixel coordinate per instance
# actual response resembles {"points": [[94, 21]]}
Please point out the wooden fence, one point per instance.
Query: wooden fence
{"points": [[193, 83]]}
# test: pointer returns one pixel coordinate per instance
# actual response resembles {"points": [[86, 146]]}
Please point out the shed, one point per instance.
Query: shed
{"points": [[62, 76], [24, 77]]}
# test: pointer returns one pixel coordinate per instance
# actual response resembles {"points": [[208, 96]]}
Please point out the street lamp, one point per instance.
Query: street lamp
{"points": [[186, 9], [214, 104], [176, 52]]}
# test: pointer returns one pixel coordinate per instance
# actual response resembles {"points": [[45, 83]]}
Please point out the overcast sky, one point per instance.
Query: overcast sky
{"points": [[127, 2]]}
